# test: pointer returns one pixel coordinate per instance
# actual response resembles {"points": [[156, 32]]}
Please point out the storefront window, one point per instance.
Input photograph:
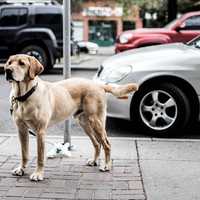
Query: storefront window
{"points": [[102, 32]]}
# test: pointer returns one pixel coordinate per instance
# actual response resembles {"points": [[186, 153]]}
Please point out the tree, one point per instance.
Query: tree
{"points": [[188, 5], [166, 10], [142, 4], [147, 6]]}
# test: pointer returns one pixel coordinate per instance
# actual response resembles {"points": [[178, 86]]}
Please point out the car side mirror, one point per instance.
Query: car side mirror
{"points": [[180, 27]]}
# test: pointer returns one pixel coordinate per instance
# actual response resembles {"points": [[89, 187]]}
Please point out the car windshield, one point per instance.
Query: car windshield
{"points": [[195, 42], [171, 24]]}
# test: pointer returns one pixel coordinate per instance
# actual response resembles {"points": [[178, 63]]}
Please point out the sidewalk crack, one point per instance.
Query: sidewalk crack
{"points": [[140, 170]]}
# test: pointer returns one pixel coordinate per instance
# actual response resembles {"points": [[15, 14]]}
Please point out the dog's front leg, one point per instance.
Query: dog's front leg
{"points": [[38, 175], [24, 141]]}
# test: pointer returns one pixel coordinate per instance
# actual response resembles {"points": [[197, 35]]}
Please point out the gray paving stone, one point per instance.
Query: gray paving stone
{"points": [[58, 196], [125, 178], [16, 192], [123, 185], [57, 183], [95, 185], [5, 182], [60, 190], [100, 176], [3, 158], [127, 192], [128, 197], [11, 198], [135, 185], [3, 193], [33, 192], [103, 194], [8, 166], [85, 194]]}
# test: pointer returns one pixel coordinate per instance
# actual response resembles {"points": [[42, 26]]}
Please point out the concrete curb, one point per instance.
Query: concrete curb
{"points": [[115, 138]]}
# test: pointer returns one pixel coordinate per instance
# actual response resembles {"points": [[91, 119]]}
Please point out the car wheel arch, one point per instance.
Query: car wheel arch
{"points": [[39, 43], [182, 84]]}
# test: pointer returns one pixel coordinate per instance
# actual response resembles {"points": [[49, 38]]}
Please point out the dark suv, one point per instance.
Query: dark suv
{"points": [[33, 29]]}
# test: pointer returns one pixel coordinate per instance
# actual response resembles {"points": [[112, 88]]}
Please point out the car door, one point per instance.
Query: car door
{"points": [[11, 21], [189, 29]]}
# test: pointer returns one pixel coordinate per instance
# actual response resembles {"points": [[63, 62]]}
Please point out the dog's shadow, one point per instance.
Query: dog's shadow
{"points": [[122, 128]]}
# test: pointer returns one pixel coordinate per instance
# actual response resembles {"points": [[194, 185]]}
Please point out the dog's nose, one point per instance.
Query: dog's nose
{"points": [[8, 74]]}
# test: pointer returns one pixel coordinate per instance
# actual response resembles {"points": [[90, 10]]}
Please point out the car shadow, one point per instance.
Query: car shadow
{"points": [[125, 128], [122, 128]]}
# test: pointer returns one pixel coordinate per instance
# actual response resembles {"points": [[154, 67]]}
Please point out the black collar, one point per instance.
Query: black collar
{"points": [[27, 95]]}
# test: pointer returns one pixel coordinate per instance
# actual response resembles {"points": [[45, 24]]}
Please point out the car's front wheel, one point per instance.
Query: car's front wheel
{"points": [[162, 110], [38, 52]]}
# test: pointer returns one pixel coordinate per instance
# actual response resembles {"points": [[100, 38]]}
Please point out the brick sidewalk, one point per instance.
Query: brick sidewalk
{"points": [[70, 178]]}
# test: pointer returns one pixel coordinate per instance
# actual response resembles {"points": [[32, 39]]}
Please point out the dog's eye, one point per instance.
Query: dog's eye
{"points": [[21, 62], [9, 63]]}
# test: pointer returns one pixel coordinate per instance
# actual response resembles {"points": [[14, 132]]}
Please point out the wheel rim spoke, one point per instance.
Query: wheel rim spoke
{"points": [[153, 121], [169, 103], [155, 96], [147, 108], [168, 119]]}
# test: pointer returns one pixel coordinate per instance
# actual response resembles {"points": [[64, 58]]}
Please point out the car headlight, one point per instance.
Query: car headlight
{"points": [[113, 75], [124, 38]]}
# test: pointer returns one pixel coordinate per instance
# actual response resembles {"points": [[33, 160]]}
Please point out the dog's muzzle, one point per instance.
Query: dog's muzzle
{"points": [[9, 75]]}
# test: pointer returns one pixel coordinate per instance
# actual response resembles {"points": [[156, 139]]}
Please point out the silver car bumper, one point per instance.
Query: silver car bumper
{"points": [[118, 108]]}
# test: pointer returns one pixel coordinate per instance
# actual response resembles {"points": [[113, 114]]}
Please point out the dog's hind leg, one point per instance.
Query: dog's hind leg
{"points": [[84, 123], [24, 142], [100, 132]]}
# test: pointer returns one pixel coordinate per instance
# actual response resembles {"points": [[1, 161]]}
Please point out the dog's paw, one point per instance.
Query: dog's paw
{"points": [[91, 163], [105, 168], [19, 171], [36, 176]]}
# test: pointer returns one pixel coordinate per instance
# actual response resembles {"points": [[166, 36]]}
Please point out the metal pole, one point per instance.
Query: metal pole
{"points": [[67, 57]]}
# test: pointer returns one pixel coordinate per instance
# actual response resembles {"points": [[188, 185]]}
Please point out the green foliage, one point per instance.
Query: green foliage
{"points": [[150, 5], [160, 5], [188, 5]]}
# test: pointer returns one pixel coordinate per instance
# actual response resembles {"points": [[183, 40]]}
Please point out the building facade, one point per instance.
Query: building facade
{"points": [[100, 21]]}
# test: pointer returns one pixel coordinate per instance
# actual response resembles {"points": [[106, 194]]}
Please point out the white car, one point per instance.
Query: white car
{"points": [[88, 47]]}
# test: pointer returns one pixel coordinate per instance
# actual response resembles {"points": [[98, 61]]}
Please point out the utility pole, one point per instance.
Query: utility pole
{"points": [[67, 58], [172, 10]]}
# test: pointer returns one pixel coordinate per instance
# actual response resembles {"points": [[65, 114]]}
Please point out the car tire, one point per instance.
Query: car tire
{"points": [[162, 110], [39, 53]]}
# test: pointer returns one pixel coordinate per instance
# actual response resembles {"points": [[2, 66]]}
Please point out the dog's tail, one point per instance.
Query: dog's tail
{"points": [[120, 91]]}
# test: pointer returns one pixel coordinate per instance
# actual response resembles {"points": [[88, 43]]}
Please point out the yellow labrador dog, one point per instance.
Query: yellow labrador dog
{"points": [[37, 104]]}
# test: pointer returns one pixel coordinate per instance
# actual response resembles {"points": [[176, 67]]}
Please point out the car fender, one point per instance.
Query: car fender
{"points": [[172, 74], [151, 39]]}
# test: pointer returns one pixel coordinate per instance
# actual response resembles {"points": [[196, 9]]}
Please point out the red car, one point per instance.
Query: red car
{"points": [[182, 29]]}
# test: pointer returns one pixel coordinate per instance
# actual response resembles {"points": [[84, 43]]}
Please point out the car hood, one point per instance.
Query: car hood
{"points": [[150, 30], [176, 54], [140, 31]]}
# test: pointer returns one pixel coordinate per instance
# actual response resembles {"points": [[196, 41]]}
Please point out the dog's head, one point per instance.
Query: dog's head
{"points": [[22, 68]]}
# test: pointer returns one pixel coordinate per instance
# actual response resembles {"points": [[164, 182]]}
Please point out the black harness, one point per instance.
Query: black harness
{"points": [[22, 98]]}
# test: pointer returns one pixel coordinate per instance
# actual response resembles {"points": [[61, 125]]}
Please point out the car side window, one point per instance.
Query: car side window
{"points": [[192, 23], [44, 17], [13, 17]]}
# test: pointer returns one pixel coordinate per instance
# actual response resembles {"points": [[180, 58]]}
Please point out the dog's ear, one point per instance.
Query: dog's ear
{"points": [[7, 62], [35, 67]]}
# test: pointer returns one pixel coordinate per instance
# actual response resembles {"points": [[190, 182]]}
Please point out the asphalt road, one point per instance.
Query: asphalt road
{"points": [[115, 127]]}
